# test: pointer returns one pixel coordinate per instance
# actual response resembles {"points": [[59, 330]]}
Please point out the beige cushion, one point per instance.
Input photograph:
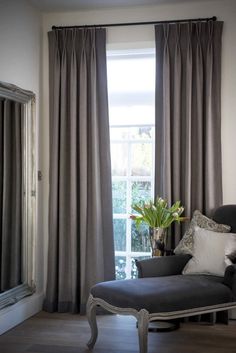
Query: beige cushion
{"points": [[209, 252]]}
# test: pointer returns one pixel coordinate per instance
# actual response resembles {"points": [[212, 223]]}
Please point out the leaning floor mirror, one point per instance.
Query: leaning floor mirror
{"points": [[17, 193]]}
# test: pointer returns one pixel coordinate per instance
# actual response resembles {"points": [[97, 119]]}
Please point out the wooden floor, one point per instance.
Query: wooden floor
{"points": [[65, 333]]}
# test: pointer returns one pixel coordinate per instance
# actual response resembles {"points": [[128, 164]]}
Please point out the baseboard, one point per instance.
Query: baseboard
{"points": [[15, 314]]}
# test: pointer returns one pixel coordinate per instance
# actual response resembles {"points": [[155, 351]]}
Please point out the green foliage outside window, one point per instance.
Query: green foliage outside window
{"points": [[119, 226], [120, 264]]}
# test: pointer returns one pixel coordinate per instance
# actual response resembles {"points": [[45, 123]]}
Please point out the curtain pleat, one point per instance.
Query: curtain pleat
{"points": [[166, 111], [177, 123], [188, 120], [81, 249], [187, 126]]}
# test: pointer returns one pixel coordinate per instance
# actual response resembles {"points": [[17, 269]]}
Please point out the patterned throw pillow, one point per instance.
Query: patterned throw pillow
{"points": [[185, 245]]}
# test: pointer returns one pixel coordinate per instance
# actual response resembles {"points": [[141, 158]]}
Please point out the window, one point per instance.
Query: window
{"points": [[131, 87]]}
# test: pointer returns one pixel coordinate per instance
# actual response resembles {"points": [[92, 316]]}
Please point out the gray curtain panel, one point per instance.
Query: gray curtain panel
{"points": [[188, 115], [11, 191], [81, 246]]}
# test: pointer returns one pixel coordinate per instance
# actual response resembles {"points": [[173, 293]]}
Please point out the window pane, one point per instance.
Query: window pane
{"points": [[119, 133], [131, 74], [119, 196], [120, 263], [141, 159], [131, 114], [141, 190], [141, 132], [119, 159], [134, 271], [140, 238], [119, 226]]}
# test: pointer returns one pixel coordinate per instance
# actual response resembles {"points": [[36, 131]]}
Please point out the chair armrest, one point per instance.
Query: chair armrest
{"points": [[230, 278], [162, 266]]}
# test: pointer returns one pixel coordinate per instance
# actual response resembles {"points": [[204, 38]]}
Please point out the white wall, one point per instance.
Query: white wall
{"points": [[20, 27], [20, 48]]}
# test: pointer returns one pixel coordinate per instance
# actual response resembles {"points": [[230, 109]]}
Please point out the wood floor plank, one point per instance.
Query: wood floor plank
{"points": [[65, 333]]}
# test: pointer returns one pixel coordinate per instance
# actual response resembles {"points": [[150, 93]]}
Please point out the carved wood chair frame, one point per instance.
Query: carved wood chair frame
{"points": [[143, 318]]}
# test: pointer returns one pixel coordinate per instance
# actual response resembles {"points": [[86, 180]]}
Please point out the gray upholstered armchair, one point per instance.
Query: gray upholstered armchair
{"points": [[162, 293]]}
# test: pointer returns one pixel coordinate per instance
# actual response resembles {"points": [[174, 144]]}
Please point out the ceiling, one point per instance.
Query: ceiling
{"points": [[73, 5]]}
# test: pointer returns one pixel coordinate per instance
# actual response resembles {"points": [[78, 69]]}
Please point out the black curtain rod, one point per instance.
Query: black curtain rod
{"points": [[214, 18]]}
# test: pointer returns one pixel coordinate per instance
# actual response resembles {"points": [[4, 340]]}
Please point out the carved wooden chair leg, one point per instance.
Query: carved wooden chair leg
{"points": [[143, 321], [91, 315], [213, 318]]}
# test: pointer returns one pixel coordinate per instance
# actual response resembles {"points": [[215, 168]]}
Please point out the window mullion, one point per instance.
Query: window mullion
{"points": [[153, 163], [128, 207]]}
